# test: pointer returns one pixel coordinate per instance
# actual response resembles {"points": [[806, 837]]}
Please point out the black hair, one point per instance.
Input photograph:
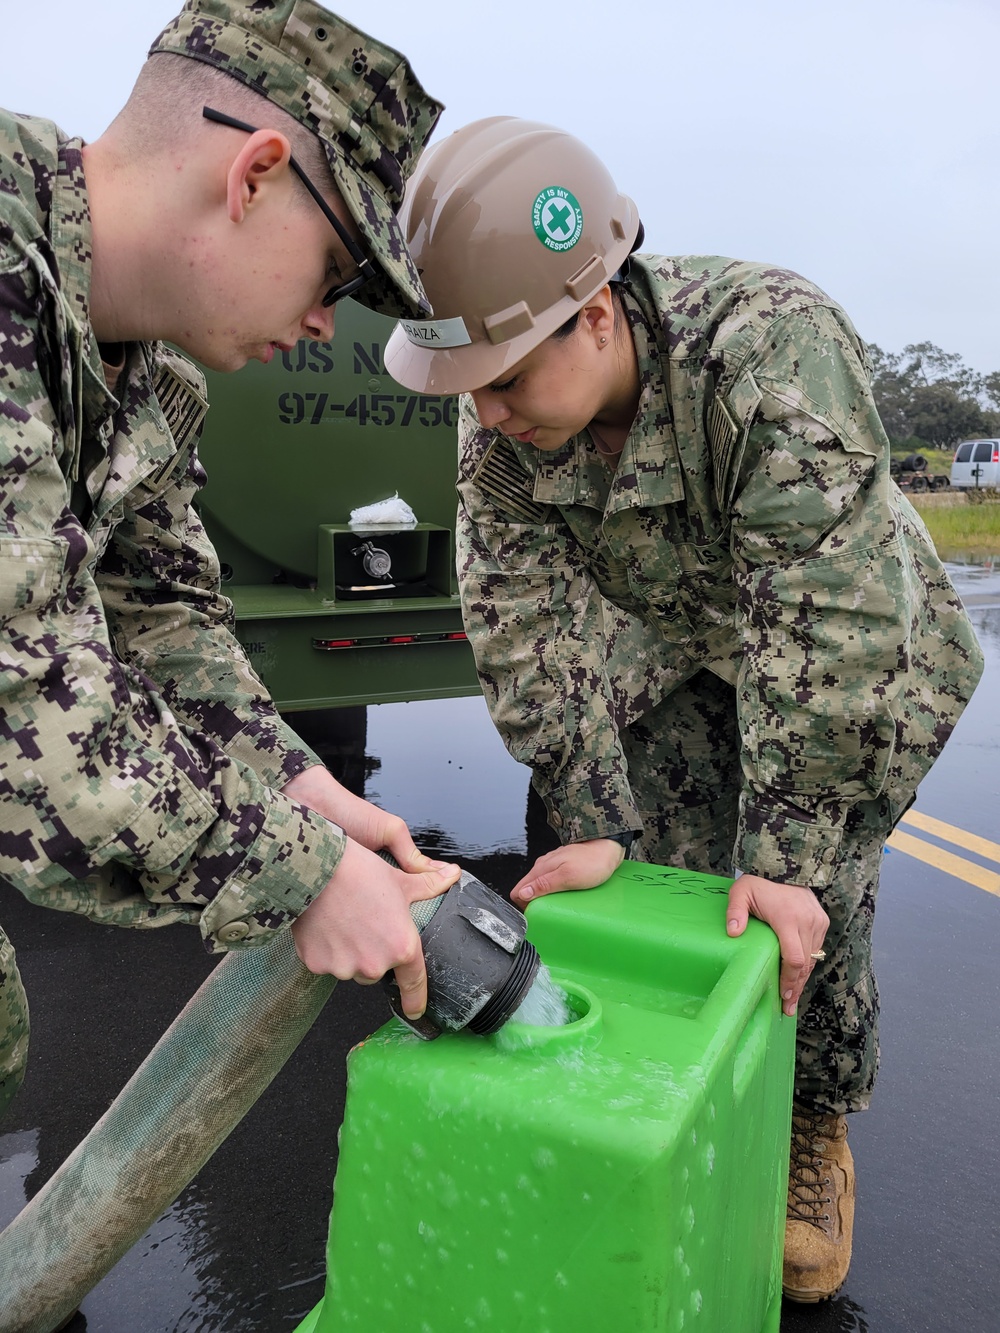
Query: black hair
{"points": [[617, 281]]}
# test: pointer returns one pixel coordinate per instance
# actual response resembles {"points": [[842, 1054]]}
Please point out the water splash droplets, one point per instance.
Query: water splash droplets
{"points": [[545, 1005]]}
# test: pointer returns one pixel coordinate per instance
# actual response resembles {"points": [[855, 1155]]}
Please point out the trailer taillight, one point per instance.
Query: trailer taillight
{"points": [[392, 640]]}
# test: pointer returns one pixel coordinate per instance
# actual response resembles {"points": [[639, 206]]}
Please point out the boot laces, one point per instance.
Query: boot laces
{"points": [[807, 1179]]}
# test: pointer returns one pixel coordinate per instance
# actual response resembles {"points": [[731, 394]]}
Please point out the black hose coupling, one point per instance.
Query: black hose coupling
{"points": [[479, 965]]}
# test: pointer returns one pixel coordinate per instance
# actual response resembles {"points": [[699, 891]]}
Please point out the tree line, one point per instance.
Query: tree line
{"points": [[930, 399]]}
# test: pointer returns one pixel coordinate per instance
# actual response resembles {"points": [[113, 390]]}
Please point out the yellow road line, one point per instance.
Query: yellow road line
{"points": [[946, 861], [970, 841]]}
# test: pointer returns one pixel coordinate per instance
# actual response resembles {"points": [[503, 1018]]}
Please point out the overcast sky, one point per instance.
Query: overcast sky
{"points": [[856, 142]]}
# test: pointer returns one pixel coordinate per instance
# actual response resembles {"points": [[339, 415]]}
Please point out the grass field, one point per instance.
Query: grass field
{"points": [[959, 528]]}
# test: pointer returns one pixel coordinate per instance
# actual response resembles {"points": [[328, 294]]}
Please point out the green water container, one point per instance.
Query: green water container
{"points": [[624, 1172]]}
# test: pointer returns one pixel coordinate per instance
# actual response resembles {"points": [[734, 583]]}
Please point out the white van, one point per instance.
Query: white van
{"points": [[976, 463]]}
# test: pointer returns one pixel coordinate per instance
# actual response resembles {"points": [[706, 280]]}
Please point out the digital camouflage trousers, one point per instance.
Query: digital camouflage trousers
{"points": [[684, 770], [13, 1025]]}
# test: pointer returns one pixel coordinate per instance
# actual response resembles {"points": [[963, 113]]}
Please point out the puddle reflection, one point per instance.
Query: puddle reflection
{"points": [[18, 1158], [840, 1315], [970, 571]]}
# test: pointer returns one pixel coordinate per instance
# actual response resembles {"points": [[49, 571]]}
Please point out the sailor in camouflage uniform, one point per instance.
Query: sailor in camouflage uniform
{"points": [[146, 777], [702, 612]]}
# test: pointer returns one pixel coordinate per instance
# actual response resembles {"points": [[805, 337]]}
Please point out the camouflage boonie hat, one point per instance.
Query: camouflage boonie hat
{"points": [[358, 96]]}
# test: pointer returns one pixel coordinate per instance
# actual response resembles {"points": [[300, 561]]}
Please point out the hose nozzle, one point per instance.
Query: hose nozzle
{"points": [[479, 965]]}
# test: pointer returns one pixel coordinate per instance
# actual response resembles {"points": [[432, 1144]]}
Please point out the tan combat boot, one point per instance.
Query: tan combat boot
{"points": [[820, 1220]]}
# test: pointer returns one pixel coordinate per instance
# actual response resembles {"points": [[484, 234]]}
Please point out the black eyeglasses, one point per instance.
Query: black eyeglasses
{"points": [[366, 269]]}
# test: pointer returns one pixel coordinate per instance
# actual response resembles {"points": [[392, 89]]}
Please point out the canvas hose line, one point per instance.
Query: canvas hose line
{"points": [[207, 1070], [204, 1074]]}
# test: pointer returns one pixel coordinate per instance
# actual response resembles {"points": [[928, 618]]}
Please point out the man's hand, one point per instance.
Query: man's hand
{"points": [[359, 927], [795, 916], [578, 865], [360, 820]]}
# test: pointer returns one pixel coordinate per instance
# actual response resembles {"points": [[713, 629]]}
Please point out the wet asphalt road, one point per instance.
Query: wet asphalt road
{"points": [[243, 1247]]}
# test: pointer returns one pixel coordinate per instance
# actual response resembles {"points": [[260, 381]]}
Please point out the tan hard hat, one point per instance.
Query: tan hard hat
{"points": [[513, 226]]}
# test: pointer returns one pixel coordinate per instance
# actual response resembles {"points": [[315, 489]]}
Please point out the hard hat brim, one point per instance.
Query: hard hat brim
{"points": [[446, 370]]}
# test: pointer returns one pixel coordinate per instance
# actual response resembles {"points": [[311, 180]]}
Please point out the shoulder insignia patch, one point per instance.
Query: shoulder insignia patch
{"points": [[501, 476], [727, 422], [723, 427], [181, 403], [184, 410]]}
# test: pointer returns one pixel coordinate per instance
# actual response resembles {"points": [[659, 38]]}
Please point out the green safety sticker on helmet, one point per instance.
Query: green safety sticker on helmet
{"points": [[557, 218]]}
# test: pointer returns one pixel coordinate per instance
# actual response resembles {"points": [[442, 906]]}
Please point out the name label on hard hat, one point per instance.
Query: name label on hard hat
{"points": [[436, 332]]}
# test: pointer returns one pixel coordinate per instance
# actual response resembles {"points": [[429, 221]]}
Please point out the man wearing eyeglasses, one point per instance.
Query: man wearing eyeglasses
{"points": [[250, 182]]}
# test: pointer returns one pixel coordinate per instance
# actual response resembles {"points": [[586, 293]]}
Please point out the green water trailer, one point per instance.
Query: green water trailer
{"points": [[332, 617]]}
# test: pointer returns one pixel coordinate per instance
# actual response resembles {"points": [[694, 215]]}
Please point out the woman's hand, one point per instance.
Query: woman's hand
{"points": [[795, 916], [578, 865]]}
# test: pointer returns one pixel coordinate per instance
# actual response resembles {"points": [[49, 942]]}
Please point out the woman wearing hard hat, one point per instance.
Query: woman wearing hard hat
{"points": [[692, 442]]}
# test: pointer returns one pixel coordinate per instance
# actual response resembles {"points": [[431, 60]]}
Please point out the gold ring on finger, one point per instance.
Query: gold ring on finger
{"points": [[819, 955]]}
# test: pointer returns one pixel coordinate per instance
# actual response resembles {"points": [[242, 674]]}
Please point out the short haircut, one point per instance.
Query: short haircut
{"points": [[164, 108]]}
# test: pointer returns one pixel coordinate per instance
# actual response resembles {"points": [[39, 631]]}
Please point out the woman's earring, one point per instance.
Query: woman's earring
{"points": [[603, 341]]}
